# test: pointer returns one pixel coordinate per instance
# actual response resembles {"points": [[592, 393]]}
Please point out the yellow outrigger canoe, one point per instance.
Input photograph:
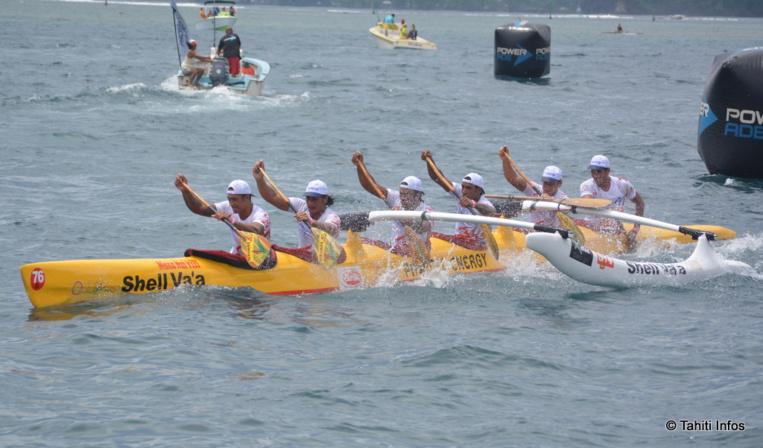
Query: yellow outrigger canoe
{"points": [[366, 265]]}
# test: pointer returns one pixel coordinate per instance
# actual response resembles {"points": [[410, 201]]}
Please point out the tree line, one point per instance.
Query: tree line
{"points": [[710, 8]]}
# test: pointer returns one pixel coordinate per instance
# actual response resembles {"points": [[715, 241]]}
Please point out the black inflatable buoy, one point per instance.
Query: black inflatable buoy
{"points": [[523, 50], [730, 137]]}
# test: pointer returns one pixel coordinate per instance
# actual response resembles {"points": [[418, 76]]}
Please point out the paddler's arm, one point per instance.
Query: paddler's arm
{"points": [[366, 181], [266, 191], [434, 175], [191, 201], [327, 227], [508, 171], [633, 232]]}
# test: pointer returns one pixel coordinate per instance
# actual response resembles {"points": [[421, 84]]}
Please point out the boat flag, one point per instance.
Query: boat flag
{"points": [[181, 31]]}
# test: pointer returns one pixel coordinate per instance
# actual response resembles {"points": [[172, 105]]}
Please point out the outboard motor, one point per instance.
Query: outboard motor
{"points": [[522, 50], [218, 71], [730, 137]]}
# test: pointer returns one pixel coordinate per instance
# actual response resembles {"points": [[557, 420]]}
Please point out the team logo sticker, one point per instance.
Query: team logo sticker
{"points": [[350, 277]]}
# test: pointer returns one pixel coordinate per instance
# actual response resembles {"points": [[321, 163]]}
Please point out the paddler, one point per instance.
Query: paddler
{"points": [[603, 186], [238, 209], [314, 210], [408, 197], [551, 182], [472, 196]]}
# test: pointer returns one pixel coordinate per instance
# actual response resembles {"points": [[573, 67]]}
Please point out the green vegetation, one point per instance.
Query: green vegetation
{"points": [[713, 8]]}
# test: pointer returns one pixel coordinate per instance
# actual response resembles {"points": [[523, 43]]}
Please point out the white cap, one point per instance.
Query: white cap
{"points": [[598, 162], [474, 179], [552, 174], [239, 187], [316, 188], [412, 183]]}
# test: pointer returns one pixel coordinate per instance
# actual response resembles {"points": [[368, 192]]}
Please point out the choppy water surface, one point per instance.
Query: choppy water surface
{"points": [[94, 131]]}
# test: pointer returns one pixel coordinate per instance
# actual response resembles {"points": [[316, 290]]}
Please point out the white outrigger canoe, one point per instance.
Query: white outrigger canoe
{"points": [[387, 36], [587, 266]]}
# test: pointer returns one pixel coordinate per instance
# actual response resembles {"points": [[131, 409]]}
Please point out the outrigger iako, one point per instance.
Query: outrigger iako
{"points": [[366, 263]]}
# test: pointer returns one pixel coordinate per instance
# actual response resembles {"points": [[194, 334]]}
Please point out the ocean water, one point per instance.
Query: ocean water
{"points": [[94, 131]]}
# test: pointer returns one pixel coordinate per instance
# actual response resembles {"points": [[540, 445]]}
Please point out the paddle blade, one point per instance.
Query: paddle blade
{"points": [[326, 248], [492, 244], [256, 248], [575, 233], [417, 248]]}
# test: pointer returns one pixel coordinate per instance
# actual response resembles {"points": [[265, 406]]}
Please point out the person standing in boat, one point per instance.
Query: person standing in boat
{"points": [[230, 48], [551, 182], [238, 209], [408, 197], [413, 34], [314, 210], [403, 29], [603, 186], [192, 66], [472, 193]]}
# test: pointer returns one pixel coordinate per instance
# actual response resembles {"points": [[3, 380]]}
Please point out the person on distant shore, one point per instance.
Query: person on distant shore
{"points": [[408, 197], [603, 186], [238, 209], [472, 193], [230, 48], [191, 66], [314, 210], [550, 188], [413, 34]]}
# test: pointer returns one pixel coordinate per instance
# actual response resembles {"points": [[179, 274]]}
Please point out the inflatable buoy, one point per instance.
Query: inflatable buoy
{"points": [[730, 137], [523, 50]]}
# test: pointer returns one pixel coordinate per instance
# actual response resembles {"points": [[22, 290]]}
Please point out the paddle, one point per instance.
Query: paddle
{"points": [[454, 217], [416, 246], [564, 220], [256, 248], [575, 202], [325, 247], [489, 237]]}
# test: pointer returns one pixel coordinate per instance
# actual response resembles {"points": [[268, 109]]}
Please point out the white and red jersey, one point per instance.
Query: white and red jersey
{"points": [[398, 231], [258, 215], [545, 218], [467, 230], [619, 189], [305, 235]]}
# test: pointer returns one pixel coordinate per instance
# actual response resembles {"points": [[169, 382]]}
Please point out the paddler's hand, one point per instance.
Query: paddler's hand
{"points": [[357, 158], [257, 169], [466, 202], [426, 154], [304, 217], [180, 182], [503, 152], [220, 215], [631, 238]]}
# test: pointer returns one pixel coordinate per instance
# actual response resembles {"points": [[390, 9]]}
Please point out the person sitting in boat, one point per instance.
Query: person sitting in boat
{"points": [[551, 182], [224, 12], [408, 197], [403, 29], [603, 186], [238, 209], [472, 193], [201, 14], [232, 11], [619, 28], [230, 48], [314, 210], [192, 65], [413, 34]]}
